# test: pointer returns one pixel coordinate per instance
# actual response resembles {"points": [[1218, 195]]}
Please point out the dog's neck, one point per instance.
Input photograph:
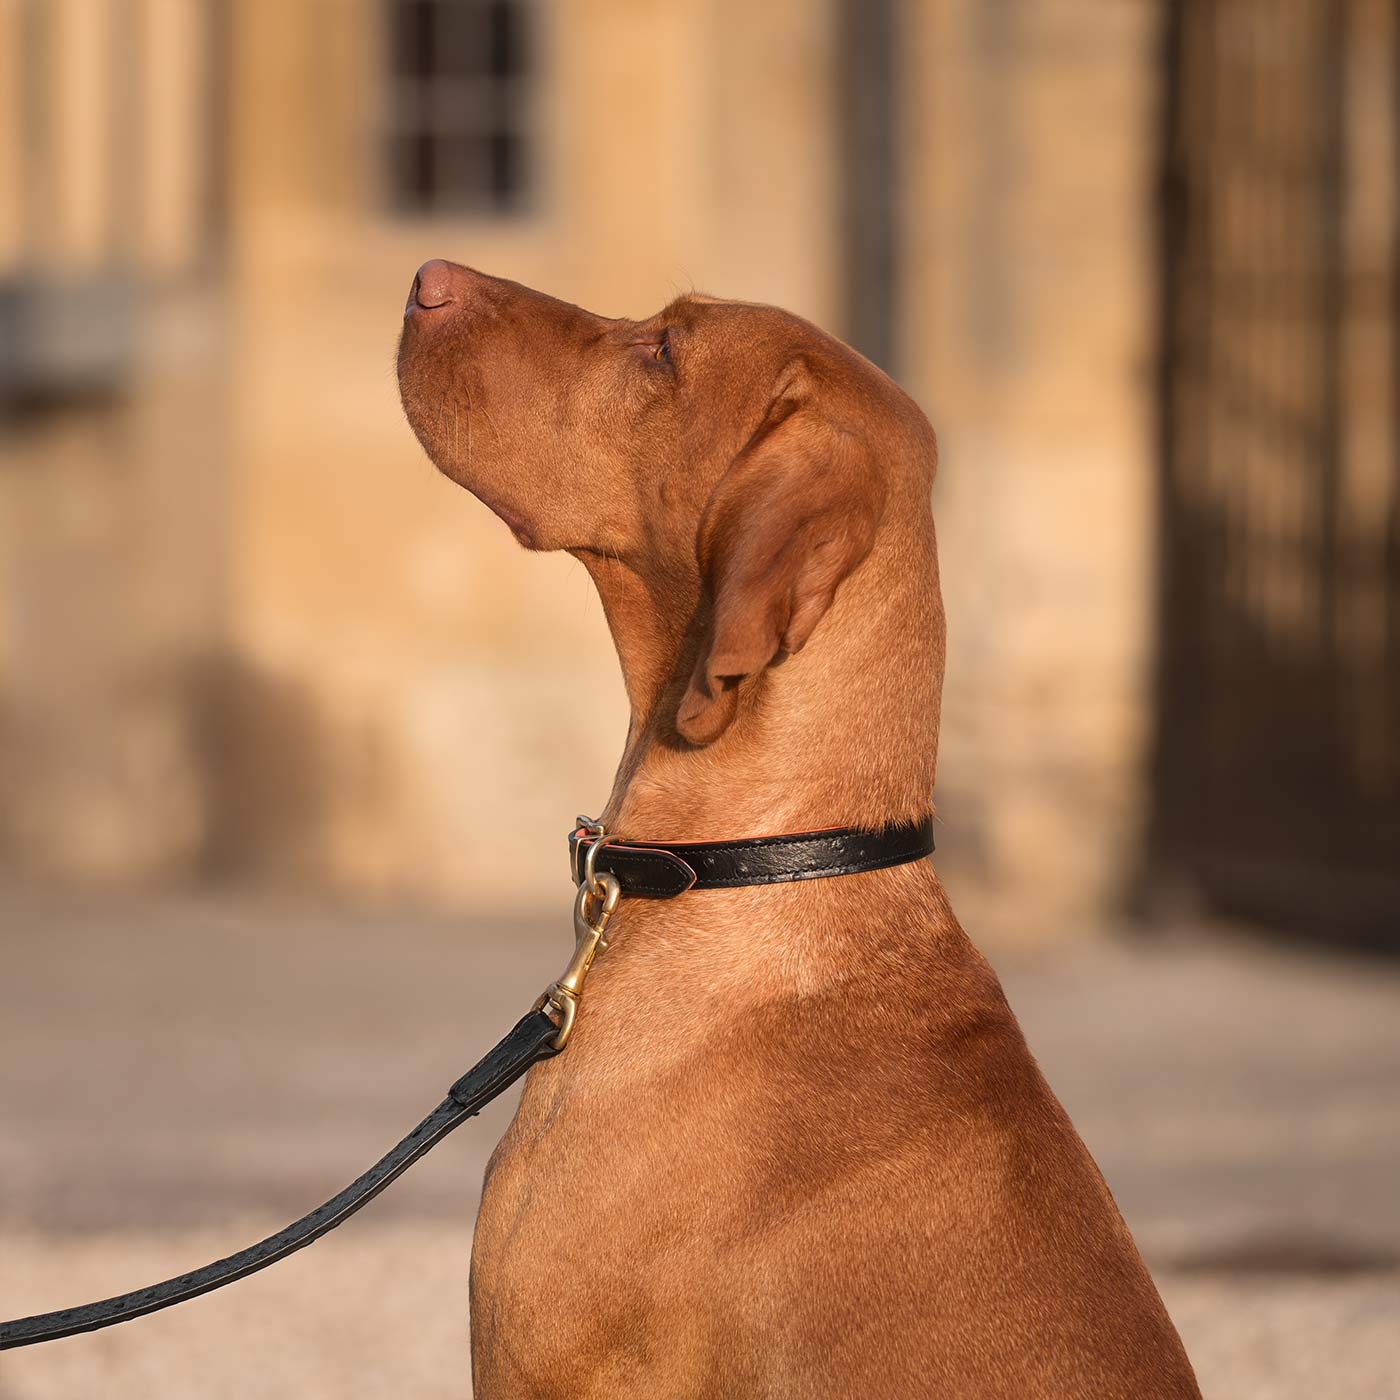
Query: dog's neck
{"points": [[844, 733]]}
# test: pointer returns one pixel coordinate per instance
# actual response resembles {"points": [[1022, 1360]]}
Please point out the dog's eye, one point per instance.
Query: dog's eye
{"points": [[663, 348]]}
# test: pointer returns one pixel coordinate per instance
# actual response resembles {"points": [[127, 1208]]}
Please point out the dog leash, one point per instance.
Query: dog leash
{"points": [[604, 869], [529, 1042]]}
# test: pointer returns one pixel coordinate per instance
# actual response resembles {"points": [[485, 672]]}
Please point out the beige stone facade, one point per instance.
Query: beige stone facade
{"points": [[1030, 341], [244, 626]]}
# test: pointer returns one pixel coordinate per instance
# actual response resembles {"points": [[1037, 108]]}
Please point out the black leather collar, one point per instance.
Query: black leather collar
{"points": [[664, 869]]}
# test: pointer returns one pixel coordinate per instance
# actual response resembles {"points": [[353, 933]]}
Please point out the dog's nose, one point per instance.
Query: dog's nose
{"points": [[433, 287]]}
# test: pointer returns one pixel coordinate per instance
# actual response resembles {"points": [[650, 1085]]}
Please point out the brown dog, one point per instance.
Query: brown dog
{"points": [[797, 1146]]}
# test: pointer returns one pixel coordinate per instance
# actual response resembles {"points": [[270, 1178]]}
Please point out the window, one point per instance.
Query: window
{"points": [[458, 105]]}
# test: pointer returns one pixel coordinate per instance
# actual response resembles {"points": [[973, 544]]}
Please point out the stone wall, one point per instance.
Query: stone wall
{"points": [[247, 628], [1029, 338]]}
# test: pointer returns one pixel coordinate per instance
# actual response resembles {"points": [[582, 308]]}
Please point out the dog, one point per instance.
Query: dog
{"points": [[798, 1146]]}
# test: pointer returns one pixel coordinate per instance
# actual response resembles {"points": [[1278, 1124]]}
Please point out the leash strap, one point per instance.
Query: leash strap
{"points": [[664, 869], [529, 1042], [604, 868]]}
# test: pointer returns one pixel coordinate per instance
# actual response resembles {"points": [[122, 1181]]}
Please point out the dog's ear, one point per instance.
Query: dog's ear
{"points": [[793, 515]]}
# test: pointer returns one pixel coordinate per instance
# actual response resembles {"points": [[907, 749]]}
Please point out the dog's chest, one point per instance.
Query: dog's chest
{"points": [[604, 1210]]}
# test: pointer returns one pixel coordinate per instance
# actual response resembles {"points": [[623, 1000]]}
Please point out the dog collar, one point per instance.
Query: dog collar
{"points": [[664, 869]]}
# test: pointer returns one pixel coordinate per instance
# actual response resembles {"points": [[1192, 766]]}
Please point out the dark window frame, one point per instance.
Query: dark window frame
{"points": [[459, 132]]}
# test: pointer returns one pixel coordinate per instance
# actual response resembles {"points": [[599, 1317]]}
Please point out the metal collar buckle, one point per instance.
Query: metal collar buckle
{"points": [[585, 828]]}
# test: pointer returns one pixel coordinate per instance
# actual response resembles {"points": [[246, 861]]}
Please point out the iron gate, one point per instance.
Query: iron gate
{"points": [[1278, 772]]}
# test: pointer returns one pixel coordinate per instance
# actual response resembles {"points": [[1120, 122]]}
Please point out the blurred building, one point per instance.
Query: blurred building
{"points": [[245, 627]]}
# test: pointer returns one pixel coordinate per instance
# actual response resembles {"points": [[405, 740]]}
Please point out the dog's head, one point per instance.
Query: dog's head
{"points": [[736, 459]]}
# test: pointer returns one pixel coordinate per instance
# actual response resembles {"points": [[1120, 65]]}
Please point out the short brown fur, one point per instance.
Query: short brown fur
{"points": [[797, 1146]]}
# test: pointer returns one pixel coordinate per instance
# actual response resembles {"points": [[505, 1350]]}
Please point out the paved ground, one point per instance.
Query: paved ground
{"points": [[182, 1075]]}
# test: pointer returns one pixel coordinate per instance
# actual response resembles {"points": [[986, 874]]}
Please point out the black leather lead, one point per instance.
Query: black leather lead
{"points": [[527, 1044], [652, 868], [664, 869]]}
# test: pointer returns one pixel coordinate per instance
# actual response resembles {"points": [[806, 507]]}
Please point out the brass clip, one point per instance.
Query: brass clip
{"points": [[593, 907]]}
